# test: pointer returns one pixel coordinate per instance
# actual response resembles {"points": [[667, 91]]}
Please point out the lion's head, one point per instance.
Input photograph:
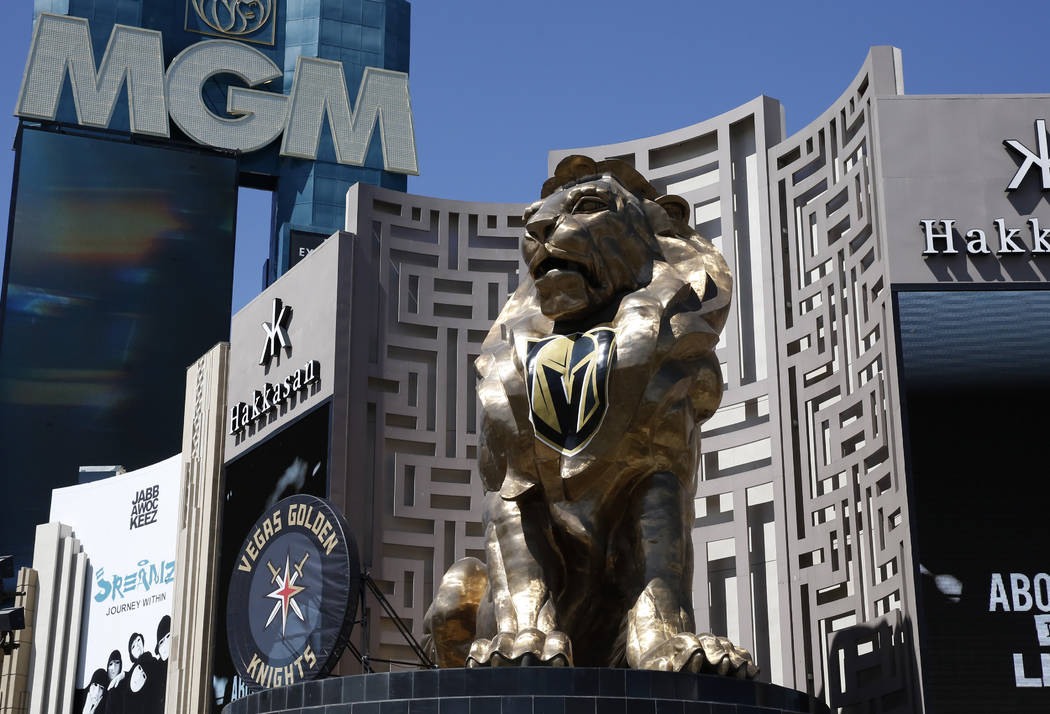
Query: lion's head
{"points": [[604, 250], [594, 235]]}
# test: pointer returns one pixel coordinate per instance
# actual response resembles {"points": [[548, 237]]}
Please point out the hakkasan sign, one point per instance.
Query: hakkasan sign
{"points": [[134, 58]]}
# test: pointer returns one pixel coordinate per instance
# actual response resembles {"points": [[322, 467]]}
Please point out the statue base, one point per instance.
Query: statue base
{"points": [[529, 690]]}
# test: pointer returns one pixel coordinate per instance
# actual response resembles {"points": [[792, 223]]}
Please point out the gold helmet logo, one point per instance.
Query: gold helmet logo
{"points": [[234, 17], [568, 378]]}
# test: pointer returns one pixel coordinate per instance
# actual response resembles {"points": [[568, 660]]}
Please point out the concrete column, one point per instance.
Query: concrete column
{"points": [[14, 668], [61, 566], [197, 550]]}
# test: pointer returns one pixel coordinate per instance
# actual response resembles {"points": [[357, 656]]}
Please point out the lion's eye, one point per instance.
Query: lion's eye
{"points": [[590, 204], [531, 211]]}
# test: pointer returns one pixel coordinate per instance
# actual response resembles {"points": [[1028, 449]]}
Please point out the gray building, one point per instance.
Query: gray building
{"points": [[860, 523]]}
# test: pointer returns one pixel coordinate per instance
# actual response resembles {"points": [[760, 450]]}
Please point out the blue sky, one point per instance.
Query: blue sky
{"points": [[495, 85]]}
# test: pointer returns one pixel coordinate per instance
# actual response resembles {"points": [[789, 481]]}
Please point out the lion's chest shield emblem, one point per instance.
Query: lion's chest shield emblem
{"points": [[568, 385]]}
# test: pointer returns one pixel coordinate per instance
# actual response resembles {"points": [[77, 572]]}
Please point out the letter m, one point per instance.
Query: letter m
{"points": [[319, 91], [62, 46]]}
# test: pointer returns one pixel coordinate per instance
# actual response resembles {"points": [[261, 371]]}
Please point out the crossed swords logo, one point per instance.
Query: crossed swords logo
{"points": [[286, 590]]}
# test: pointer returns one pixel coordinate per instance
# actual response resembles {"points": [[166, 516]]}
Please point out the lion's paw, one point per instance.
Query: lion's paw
{"points": [[527, 647], [703, 653]]}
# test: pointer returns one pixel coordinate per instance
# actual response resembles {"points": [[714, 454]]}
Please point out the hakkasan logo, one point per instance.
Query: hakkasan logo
{"points": [[293, 594], [250, 20], [280, 395], [944, 237]]}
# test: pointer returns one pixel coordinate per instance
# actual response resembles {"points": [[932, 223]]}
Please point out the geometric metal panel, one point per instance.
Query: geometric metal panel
{"points": [[739, 541], [444, 269], [849, 545]]}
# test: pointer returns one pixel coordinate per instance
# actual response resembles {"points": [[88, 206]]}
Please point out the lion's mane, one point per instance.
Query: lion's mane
{"points": [[668, 328]]}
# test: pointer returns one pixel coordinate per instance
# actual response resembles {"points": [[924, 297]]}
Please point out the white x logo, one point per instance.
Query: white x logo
{"points": [[1042, 159], [276, 334]]}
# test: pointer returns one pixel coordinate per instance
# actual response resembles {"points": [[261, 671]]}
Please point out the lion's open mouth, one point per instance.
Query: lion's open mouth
{"points": [[551, 264]]}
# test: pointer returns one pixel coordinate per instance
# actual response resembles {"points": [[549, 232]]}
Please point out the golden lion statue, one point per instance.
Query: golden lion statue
{"points": [[594, 381]]}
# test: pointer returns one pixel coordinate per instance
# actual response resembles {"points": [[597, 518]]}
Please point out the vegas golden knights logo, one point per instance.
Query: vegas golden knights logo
{"points": [[568, 385]]}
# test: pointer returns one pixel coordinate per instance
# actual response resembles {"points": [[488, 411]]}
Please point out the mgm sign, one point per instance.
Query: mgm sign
{"points": [[134, 57]]}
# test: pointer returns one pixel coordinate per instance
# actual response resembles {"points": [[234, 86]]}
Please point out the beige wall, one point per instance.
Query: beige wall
{"points": [[196, 554], [14, 668]]}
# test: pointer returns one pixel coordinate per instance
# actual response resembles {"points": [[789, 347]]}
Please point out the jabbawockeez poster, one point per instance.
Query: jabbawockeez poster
{"points": [[127, 527]]}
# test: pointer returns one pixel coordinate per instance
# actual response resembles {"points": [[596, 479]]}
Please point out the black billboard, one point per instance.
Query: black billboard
{"points": [[118, 276], [976, 383], [292, 461]]}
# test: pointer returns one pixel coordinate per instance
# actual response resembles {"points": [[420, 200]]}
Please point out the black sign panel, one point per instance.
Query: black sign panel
{"points": [[293, 594], [568, 380], [291, 461], [301, 244], [975, 390]]}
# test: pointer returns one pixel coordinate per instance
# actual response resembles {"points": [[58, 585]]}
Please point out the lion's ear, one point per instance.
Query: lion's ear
{"points": [[668, 215], [676, 206]]}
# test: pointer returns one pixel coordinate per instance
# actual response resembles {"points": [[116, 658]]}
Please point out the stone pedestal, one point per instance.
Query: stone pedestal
{"points": [[529, 690]]}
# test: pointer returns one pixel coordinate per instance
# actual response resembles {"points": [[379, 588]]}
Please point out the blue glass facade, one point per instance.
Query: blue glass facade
{"points": [[99, 423], [97, 326], [308, 195]]}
